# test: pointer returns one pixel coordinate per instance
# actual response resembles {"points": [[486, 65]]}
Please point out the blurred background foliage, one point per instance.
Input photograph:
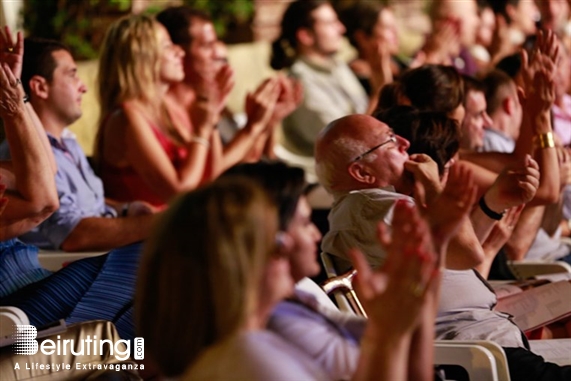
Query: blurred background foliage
{"points": [[81, 24]]}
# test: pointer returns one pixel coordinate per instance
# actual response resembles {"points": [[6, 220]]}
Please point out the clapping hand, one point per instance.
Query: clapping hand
{"points": [[10, 53]]}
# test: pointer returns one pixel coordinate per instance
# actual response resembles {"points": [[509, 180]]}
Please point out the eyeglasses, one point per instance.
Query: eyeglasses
{"points": [[391, 139]]}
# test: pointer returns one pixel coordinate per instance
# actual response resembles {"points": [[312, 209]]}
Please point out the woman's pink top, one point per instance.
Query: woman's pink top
{"points": [[125, 184]]}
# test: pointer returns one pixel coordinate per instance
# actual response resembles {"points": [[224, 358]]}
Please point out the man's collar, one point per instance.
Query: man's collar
{"points": [[327, 68], [340, 194], [59, 143]]}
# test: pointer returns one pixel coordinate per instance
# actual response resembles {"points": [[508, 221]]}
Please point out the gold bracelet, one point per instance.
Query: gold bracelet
{"points": [[201, 141], [544, 140]]}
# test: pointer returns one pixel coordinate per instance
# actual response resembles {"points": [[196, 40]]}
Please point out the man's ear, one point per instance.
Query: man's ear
{"points": [[305, 36], [39, 87], [361, 173]]}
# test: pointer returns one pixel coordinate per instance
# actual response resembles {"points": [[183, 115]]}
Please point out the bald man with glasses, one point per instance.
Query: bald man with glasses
{"points": [[365, 166]]}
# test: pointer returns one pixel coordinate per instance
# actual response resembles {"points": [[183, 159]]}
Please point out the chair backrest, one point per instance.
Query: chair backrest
{"points": [[502, 368], [478, 361], [342, 287], [526, 269]]}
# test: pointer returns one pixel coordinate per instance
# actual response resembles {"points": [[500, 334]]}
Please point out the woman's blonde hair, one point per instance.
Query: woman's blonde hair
{"points": [[129, 63], [198, 271]]}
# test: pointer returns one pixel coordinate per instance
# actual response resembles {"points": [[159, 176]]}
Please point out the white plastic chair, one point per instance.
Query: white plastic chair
{"points": [[478, 361], [54, 260], [525, 269]]}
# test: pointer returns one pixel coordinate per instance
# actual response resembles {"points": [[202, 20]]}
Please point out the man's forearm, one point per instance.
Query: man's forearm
{"points": [[464, 250], [524, 232], [99, 233], [30, 161]]}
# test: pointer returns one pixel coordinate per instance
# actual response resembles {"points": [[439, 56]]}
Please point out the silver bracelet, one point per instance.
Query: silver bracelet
{"points": [[199, 140]]}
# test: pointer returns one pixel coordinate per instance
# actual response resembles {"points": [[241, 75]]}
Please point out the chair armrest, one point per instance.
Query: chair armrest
{"points": [[54, 260]]}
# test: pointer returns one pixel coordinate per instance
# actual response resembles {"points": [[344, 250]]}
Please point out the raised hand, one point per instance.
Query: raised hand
{"points": [[499, 235], [224, 83], [394, 295], [502, 231], [290, 97], [211, 96], [10, 53], [426, 180], [543, 59], [261, 104], [541, 95], [453, 205], [11, 93], [514, 186]]}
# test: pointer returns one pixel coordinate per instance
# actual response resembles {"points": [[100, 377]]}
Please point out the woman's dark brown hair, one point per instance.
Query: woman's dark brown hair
{"points": [[428, 132]]}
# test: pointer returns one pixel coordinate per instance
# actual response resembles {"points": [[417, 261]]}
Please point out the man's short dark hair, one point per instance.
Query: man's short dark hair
{"points": [[39, 60], [178, 20], [497, 85], [472, 84]]}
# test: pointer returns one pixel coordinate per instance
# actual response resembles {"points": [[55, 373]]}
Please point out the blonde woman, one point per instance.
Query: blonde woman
{"points": [[142, 151], [203, 299]]}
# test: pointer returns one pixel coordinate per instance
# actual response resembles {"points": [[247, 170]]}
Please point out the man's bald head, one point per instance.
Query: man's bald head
{"points": [[339, 154]]}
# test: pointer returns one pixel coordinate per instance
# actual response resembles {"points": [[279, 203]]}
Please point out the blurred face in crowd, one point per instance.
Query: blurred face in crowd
{"points": [[523, 16], [327, 31], [305, 236], [554, 14], [472, 131], [200, 59], [386, 30], [486, 28], [171, 68], [66, 89], [465, 13]]}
